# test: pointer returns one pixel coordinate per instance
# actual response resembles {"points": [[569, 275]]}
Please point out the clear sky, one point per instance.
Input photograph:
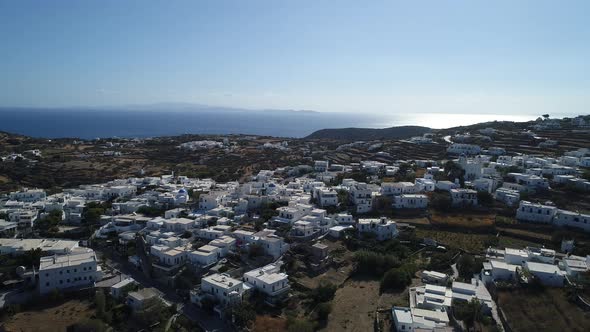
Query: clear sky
{"points": [[470, 56]]}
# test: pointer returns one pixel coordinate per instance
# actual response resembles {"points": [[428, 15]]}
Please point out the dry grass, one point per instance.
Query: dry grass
{"points": [[356, 302], [548, 310], [527, 233], [464, 219], [53, 319], [269, 324], [466, 241], [414, 221], [332, 275]]}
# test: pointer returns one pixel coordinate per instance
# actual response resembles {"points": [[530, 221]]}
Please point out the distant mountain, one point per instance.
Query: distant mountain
{"points": [[367, 134]]}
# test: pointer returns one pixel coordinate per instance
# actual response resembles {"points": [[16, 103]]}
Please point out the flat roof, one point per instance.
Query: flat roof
{"points": [[144, 294], [221, 280], [75, 258], [402, 314], [543, 268]]}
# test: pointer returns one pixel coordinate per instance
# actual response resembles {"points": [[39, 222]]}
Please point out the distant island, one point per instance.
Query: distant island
{"points": [[369, 133]]}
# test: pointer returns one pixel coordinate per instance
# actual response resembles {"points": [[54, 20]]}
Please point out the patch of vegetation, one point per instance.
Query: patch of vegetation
{"points": [[150, 211], [373, 263], [467, 265]]}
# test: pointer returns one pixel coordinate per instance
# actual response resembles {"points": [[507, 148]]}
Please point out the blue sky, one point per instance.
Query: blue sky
{"points": [[506, 57]]}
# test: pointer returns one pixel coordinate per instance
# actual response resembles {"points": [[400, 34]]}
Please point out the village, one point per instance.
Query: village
{"points": [[469, 240]]}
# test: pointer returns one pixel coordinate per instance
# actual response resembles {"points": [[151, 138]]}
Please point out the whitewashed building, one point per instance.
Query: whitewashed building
{"points": [[410, 201], [76, 269], [269, 281], [383, 228], [463, 197], [533, 212]]}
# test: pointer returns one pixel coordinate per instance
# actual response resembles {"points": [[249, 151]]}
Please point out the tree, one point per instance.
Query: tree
{"points": [[324, 292], [373, 263], [396, 278], [441, 201], [100, 303], [454, 171], [323, 310], [256, 250], [242, 314], [485, 198], [150, 211], [469, 312], [32, 257], [467, 266]]}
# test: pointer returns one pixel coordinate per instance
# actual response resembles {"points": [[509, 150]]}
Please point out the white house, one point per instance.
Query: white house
{"points": [[178, 224], [362, 197], [344, 219], [507, 196], [205, 255], [383, 228], [434, 277], [168, 257], [461, 148], [208, 201], [398, 188], [138, 300], [548, 274], [28, 195], [446, 185], [410, 201], [327, 197], [269, 280], [463, 197], [272, 244], [321, 166], [222, 288], [538, 213], [497, 270], [118, 289], [572, 219], [225, 243], [76, 269], [426, 184]]}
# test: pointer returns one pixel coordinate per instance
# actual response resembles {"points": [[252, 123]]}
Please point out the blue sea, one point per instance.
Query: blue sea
{"points": [[95, 123]]}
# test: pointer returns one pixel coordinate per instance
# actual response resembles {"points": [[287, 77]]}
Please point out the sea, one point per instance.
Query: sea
{"points": [[97, 123]]}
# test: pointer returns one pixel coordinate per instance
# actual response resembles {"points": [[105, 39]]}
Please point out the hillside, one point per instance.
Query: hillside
{"points": [[367, 134]]}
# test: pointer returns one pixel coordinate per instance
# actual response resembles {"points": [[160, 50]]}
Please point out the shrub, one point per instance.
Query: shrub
{"points": [[323, 310], [373, 263], [299, 325], [324, 292], [395, 279], [467, 266]]}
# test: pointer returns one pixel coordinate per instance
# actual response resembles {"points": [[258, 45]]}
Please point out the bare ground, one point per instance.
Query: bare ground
{"points": [[55, 319], [356, 303]]}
